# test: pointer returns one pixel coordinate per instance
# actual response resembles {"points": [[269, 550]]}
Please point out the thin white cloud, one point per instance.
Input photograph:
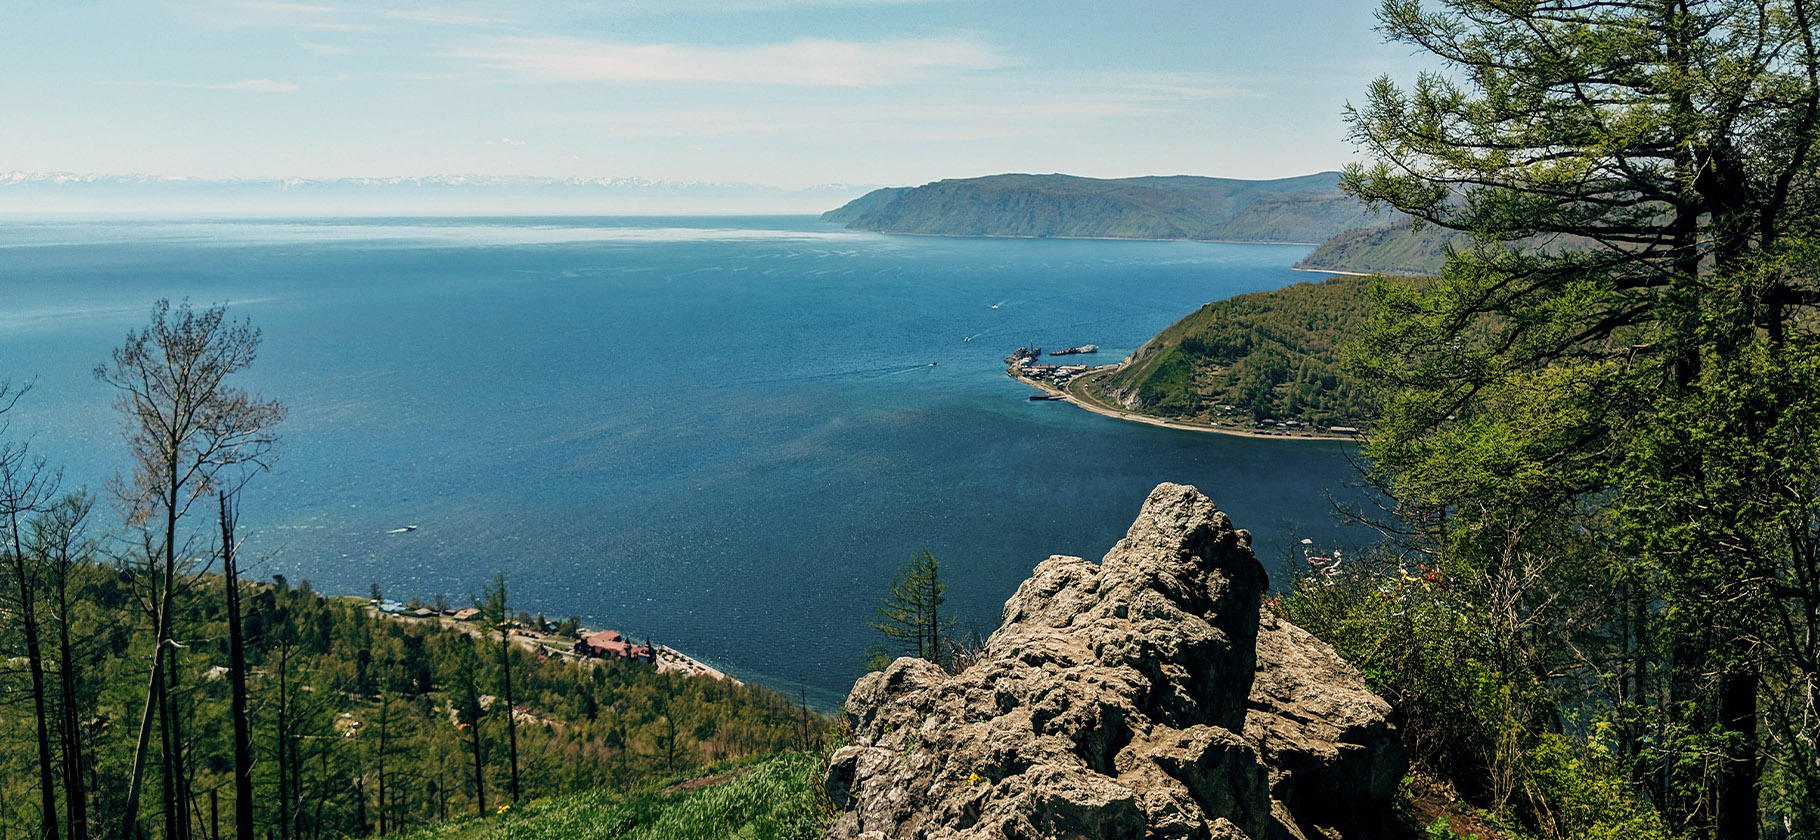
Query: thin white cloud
{"points": [[323, 49], [669, 6], [931, 119], [253, 14], [505, 141], [803, 62], [246, 85], [441, 19]]}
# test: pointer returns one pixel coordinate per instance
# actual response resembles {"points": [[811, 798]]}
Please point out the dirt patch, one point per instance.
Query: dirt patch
{"points": [[691, 785], [1431, 799]]}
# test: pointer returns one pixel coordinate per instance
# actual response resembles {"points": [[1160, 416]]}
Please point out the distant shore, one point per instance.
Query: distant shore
{"points": [[1077, 394], [1081, 238]]}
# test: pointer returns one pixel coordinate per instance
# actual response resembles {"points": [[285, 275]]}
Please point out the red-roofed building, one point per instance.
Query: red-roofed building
{"points": [[611, 643]]}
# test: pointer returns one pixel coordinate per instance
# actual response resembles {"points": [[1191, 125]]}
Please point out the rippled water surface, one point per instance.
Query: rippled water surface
{"points": [[721, 434]]}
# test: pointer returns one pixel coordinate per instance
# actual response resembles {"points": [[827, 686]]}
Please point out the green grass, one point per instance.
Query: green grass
{"points": [[777, 797], [1269, 354]]}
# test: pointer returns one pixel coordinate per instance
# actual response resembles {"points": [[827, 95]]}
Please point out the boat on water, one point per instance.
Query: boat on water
{"points": [[1073, 351], [1024, 353]]}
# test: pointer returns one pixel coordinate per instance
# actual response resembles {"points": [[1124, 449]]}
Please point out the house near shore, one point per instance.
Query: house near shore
{"points": [[609, 643], [468, 614]]}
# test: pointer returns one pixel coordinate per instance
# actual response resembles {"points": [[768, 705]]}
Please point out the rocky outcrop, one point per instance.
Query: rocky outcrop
{"points": [[1145, 696]]}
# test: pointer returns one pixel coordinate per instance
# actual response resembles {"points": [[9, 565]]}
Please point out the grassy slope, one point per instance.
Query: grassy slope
{"points": [[1268, 354], [777, 797], [1389, 250]]}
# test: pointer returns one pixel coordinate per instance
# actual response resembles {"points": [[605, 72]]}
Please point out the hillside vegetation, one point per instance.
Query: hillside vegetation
{"points": [[774, 798], [1272, 355], [1393, 249], [361, 721], [1304, 209]]}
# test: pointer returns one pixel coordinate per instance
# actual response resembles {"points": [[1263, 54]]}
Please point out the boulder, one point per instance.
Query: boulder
{"points": [[1333, 756], [1133, 698]]}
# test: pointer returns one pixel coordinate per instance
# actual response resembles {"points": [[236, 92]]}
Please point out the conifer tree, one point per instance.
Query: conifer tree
{"points": [[909, 615], [1607, 357]]}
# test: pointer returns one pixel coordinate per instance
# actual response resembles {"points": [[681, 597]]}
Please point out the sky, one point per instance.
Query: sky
{"points": [[786, 93]]}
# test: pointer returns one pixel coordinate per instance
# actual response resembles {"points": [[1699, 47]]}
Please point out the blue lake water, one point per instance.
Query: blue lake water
{"points": [[723, 434]]}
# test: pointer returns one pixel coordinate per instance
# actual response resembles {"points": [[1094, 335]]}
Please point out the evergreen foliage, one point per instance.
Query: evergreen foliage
{"points": [[910, 616], [1597, 421], [341, 695]]}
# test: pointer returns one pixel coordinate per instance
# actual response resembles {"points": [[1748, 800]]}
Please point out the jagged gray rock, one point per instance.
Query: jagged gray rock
{"points": [[1117, 700]]}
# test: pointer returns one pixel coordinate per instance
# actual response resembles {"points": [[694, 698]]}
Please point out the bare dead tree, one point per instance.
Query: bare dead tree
{"points": [[187, 428]]}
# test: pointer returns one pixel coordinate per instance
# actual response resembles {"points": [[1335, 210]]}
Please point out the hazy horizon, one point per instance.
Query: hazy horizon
{"points": [[791, 93]]}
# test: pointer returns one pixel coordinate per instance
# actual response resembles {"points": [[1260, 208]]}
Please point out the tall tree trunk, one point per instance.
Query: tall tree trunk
{"points": [[1736, 817], [129, 816], [243, 737], [480, 783], [505, 664], [384, 721], [28, 616], [284, 764], [75, 794], [169, 789], [173, 697]]}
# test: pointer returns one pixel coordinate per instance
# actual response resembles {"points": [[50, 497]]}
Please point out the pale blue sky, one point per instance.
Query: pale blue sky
{"points": [[781, 92]]}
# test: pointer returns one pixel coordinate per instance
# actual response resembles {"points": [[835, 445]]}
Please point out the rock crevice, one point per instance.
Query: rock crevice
{"points": [[1145, 696]]}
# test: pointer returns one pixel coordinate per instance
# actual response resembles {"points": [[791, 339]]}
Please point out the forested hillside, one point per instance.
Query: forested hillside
{"points": [[1264, 355], [1305, 209], [359, 723]]}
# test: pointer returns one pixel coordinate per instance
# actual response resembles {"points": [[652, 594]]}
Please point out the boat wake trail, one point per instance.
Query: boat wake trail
{"points": [[859, 373]]}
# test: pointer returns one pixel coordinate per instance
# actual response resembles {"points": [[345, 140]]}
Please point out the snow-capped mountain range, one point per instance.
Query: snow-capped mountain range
{"points": [[68, 192]]}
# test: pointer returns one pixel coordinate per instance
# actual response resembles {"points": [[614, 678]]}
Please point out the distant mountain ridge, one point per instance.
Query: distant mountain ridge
{"points": [[1392, 249], [1304, 209]]}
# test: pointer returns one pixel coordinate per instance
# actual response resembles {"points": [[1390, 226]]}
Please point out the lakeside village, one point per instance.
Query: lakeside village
{"points": [[552, 640], [1026, 361]]}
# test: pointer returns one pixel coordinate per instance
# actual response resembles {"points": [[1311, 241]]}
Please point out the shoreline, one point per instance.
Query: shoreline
{"points": [[1077, 238], [669, 659], [1079, 401]]}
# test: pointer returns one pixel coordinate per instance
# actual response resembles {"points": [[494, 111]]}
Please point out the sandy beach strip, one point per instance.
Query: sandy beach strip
{"points": [[1087, 403]]}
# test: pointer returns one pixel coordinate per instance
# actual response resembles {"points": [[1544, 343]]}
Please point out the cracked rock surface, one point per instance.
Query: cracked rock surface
{"points": [[1144, 696]]}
